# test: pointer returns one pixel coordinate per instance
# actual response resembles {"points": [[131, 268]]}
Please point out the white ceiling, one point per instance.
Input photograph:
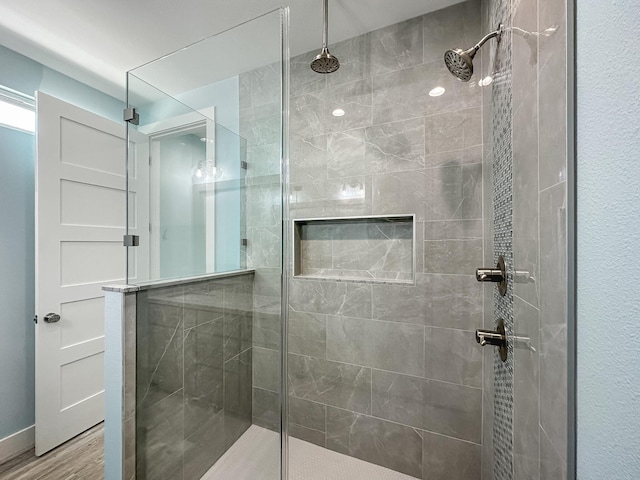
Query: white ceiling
{"points": [[97, 41]]}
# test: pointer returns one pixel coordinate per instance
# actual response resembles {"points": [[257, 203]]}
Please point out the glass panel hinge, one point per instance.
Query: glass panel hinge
{"points": [[130, 115]]}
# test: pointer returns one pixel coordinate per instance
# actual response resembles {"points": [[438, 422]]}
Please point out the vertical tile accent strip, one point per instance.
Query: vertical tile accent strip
{"points": [[503, 237]]}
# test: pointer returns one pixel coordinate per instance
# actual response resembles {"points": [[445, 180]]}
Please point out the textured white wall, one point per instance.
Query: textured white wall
{"points": [[608, 239]]}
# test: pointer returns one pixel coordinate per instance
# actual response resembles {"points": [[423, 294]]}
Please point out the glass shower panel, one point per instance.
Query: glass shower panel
{"points": [[205, 205], [190, 191]]}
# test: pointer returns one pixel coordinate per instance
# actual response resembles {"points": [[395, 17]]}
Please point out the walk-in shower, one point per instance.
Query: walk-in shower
{"points": [[305, 304]]}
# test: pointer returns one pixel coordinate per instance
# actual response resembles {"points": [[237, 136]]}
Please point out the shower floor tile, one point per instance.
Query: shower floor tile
{"points": [[256, 456]]}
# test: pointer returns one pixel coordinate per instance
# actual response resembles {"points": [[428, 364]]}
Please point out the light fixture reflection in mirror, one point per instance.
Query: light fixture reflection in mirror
{"points": [[205, 172]]}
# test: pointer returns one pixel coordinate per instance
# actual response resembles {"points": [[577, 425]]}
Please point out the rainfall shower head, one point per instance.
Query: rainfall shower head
{"points": [[324, 61], [460, 62]]}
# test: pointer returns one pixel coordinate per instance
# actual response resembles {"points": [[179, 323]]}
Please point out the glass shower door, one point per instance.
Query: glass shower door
{"points": [[205, 216]]}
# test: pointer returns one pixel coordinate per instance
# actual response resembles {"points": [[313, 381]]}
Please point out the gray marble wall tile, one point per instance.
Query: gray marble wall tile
{"points": [[454, 301], [263, 162], [331, 383], [396, 47], [310, 415], [453, 356], [264, 246], [261, 125], [453, 131], [400, 193], [455, 192], [553, 255], [404, 94], [455, 157], [308, 435], [332, 298], [553, 386], [203, 363], [238, 330], [390, 346], [308, 158], [552, 466], [237, 396], [451, 301], [395, 147], [307, 334], [452, 229], [384, 443], [266, 369], [263, 206], [204, 446], [552, 101], [165, 352], [400, 303], [524, 53], [525, 198], [346, 153], [311, 113], [266, 409], [450, 459], [452, 256], [162, 430], [373, 248], [445, 408], [260, 86], [526, 395], [266, 331]]}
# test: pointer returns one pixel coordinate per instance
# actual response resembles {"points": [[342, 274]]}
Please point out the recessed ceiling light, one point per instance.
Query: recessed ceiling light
{"points": [[338, 112], [436, 92]]}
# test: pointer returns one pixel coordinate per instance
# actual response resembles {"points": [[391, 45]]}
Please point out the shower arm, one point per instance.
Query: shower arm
{"points": [[496, 33]]}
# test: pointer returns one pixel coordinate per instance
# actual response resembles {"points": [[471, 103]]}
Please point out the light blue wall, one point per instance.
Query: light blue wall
{"points": [[17, 285], [608, 240], [16, 281]]}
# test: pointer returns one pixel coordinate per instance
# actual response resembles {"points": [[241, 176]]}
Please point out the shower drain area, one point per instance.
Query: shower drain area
{"points": [[374, 249], [256, 456]]}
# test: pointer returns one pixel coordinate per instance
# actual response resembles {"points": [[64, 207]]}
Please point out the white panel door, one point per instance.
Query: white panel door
{"points": [[80, 221]]}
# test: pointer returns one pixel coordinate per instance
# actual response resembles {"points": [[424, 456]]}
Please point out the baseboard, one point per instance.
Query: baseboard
{"points": [[17, 443]]}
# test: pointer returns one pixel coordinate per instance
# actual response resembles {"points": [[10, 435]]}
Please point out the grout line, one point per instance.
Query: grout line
{"points": [[386, 371]]}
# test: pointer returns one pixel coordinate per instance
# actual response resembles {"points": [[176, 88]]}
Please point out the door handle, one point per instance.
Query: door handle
{"points": [[51, 318]]}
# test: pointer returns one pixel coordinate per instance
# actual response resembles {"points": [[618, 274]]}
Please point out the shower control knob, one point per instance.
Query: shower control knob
{"points": [[496, 275], [489, 275], [497, 338]]}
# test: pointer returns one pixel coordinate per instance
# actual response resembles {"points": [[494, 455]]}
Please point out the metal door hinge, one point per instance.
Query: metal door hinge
{"points": [[131, 240], [244, 242], [35, 319], [130, 115]]}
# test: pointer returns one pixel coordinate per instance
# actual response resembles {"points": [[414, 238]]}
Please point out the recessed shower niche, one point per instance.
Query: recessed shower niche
{"points": [[367, 249]]}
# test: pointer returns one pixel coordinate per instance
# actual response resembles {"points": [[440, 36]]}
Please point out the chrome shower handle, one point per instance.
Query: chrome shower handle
{"points": [[489, 275], [489, 337], [497, 338], [497, 275]]}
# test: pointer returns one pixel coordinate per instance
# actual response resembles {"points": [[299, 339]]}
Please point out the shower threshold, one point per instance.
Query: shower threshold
{"points": [[256, 456]]}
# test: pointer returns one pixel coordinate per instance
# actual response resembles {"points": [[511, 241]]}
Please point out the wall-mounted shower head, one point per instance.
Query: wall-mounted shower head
{"points": [[460, 62], [324, 61]]}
